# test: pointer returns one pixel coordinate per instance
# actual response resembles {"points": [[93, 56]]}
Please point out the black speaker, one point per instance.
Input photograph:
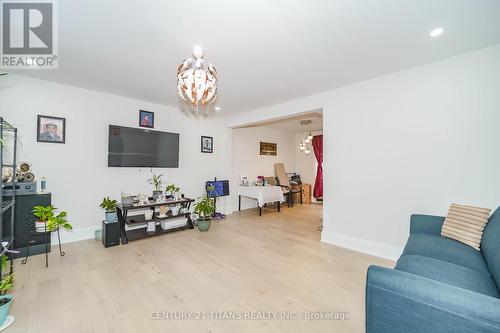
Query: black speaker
{"points": [[110, 234], [24, 224]]}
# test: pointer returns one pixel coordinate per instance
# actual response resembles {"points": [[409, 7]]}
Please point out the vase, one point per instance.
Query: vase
{"points": [[5, 308], [110, 217], [203, 225]]}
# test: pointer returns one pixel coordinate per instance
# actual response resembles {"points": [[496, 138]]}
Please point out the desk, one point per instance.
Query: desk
{"points": [[263, 195]]}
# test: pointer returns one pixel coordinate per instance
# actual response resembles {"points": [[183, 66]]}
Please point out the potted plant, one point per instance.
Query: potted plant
{"points": [[109, 206], [204, 208], [156, 181], [172, 191], [48, 218], [6, 283]]}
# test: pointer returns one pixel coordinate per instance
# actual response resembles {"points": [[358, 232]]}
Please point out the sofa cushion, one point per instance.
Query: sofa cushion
{"points": [[466, 224], [456, 275], [490, 246], [446, 249]]}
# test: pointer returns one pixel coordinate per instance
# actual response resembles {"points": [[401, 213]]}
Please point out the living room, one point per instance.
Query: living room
{"points": [[403, 98]]}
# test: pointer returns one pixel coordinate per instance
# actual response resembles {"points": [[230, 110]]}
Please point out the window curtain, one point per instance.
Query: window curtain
{"points": [[317, 144]]}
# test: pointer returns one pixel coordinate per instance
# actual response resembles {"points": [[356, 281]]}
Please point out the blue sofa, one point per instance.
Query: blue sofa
{"points": [[438, 284]]}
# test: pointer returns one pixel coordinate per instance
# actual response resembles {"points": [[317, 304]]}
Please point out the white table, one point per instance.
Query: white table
{"points": [[263, 195]]}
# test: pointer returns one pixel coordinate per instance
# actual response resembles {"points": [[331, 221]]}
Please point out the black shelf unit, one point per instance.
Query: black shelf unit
{"points": [[140, 220], [8, 157]]}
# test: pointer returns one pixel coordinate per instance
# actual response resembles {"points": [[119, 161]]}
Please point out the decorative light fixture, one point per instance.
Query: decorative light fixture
{"points": [[197, 80], [304, 144]]}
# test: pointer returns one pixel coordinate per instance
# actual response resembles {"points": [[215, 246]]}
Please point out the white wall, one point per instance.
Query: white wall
{"points": [[246, 159], [77, 171], [410, 142]]}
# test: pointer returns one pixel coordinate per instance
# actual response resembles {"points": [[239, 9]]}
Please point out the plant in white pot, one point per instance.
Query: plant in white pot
{"points": [[156, 181], [48, 219], [6, 283], [109, 206], [204, 208]]}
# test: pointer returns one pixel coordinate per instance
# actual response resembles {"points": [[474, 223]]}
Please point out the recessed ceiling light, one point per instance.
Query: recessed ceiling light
{"points": [[217, 108], [436, 32]]}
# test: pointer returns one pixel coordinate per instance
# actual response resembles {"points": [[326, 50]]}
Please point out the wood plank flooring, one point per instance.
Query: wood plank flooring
{"points": [[247, 265]]}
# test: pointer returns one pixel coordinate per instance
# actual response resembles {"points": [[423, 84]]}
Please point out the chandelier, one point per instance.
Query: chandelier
{"points": [[305, 144], [197, 80]]}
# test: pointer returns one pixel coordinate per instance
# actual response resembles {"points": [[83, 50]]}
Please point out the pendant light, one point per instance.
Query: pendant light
{"points": [[305, 144], [197, 80]]}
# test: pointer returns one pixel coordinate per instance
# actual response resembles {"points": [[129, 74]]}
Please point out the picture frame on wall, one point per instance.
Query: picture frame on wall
{"points": [[268, 149], [146, 119], [207, 144], [51, 129]]}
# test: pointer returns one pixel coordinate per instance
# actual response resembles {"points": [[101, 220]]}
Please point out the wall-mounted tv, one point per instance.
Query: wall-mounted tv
{"points": [[136, 147]]}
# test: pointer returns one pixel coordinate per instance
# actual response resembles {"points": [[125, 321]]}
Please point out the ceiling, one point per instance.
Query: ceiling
{"points": [[292, 124], [266, 52]]}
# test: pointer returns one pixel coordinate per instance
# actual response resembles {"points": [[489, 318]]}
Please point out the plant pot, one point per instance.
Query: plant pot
{"points": [[40, 226], [98, 235], [156, 194], [203, 225], [110, 217], [5, 308]]}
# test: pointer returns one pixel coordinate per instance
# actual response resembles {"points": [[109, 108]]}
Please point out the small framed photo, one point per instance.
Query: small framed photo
{"points": [[207, 144], [146, 119], [51, 129]]}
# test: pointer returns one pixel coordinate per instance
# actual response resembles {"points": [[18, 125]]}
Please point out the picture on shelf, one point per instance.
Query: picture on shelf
{"points": [[51, 129], [268, 148], [146, 119], [207, 144]]}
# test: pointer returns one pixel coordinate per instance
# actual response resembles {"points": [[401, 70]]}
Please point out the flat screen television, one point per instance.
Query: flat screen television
{"points": [[220, 188], [137, 147]]}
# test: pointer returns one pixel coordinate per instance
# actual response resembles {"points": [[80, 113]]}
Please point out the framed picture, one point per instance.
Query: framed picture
{"points": [[207, 144], [146, 119], [51, 129], [268, 148]]}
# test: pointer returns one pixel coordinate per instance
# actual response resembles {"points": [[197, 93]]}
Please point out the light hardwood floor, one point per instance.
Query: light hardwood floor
{"points": [[247, 263]]}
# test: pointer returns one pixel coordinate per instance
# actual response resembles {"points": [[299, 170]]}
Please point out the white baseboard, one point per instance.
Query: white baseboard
{"points": [[362, 245], [74, 235]]}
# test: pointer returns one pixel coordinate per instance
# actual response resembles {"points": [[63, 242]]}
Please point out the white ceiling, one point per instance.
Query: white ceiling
{"points": [[266, 52]]}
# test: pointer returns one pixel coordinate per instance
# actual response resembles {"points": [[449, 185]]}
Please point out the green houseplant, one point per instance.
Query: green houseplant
{"points": [[204, 208], [6, 283], [47, 215], [172, 190], [156, 181], [109, 206]]}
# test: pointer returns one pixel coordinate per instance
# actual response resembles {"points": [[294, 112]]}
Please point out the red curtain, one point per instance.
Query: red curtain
{"points": [[317, 144]]}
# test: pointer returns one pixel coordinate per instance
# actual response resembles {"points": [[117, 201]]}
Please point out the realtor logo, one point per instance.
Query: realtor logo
{"points": [[29, 34]]}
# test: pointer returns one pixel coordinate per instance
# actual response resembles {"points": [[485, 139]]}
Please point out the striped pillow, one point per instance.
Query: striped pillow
{"points": [[465, 224]]}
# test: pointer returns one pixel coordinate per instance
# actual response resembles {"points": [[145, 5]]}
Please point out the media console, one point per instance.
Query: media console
{"points": [[135, 226]]}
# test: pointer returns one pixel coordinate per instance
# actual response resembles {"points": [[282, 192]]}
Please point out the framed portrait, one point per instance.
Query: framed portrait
{"points": [[207, 144], [146, 119], [268, 148], [51, 129]]}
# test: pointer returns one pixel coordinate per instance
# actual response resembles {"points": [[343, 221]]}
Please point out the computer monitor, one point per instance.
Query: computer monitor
{"points": [[220, 188]]}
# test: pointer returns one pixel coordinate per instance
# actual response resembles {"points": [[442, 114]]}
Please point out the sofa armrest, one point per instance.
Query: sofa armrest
{"points": [[426, 224], [398, 301]]}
